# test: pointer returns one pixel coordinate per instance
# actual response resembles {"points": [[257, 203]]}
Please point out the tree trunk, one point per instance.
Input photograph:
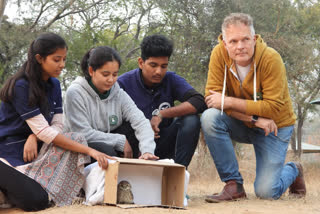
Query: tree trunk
{"points": [[299, 130], [294, 141], [299, 133], [2, 7]]}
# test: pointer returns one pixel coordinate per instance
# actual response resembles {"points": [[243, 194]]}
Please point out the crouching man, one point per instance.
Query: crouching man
{"points": [[248, 101]]}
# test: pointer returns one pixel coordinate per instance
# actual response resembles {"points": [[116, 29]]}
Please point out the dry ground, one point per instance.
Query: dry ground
{"points": [[204, 180]]}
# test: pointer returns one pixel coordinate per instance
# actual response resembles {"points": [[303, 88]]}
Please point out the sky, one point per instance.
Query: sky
{"points": [[11, 11]]}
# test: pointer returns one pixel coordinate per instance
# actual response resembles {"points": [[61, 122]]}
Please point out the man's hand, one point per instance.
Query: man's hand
{"points": [[148, 156], [30, 150], [213, 100], [101, 158], [155, 121], [127, 151], [267, 125]]}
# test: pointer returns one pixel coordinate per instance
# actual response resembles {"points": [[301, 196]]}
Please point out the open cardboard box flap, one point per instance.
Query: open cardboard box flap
{"points": [[154, 183]]}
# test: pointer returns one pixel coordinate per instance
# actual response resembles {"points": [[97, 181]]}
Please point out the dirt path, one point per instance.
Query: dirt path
{"points": [[205, 181], [197, 192], [198, 206]]}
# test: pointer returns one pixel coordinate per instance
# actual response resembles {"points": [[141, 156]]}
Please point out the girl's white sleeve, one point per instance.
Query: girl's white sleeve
{"points": [[57, 122], [41, 128]]}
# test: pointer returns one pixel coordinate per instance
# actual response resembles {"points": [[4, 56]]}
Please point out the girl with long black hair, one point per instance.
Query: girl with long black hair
{"points": [[30, 132]]}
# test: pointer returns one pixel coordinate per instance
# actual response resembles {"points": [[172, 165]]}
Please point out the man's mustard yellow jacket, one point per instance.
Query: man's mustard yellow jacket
{"points": [[271, 83]]}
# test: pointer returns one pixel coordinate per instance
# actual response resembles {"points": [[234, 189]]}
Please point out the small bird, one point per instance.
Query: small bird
{"points": [[124, 193]]}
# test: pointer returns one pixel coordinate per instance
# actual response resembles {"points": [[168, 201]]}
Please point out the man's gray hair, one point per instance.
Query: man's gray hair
{"points": [[237, 18]]}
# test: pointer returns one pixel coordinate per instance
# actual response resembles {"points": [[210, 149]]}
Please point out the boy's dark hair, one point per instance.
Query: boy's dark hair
{"points": [[156, 46], [97, 57], [44, 45]]}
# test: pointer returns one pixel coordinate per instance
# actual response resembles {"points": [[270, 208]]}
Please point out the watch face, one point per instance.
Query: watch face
{"points": [[255, 118]]}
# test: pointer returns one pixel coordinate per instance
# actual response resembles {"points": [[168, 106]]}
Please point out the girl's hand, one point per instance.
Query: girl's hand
{"points": [[155, 121], [101, 158], [148, 156], [127, 151], [30, 150]]}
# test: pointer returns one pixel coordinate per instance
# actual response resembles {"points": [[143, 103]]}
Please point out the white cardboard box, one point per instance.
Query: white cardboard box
{"points": [[154, 183]]}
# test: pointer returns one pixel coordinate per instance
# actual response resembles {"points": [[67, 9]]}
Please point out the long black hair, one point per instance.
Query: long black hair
{"points": [[44, 45], [97, 57]]}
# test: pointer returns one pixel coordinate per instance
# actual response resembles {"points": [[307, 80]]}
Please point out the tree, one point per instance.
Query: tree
{"points": [[36, 17], [12, 47], [2, 7], [118, 24], [305, 65], [194, 27], [290, 27]]}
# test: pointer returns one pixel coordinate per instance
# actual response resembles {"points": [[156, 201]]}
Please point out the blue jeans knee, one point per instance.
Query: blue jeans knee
{"points": [[187, 138], [189, 123], [210, 119], [264, 191]]}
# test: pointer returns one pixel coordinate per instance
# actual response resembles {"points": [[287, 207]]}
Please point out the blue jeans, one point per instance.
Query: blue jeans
{"points": [[179, 140], [272, 176]]}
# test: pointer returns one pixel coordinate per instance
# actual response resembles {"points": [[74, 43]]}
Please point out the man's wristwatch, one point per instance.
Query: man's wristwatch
{"points": [[157, 113], [254, 119]]}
